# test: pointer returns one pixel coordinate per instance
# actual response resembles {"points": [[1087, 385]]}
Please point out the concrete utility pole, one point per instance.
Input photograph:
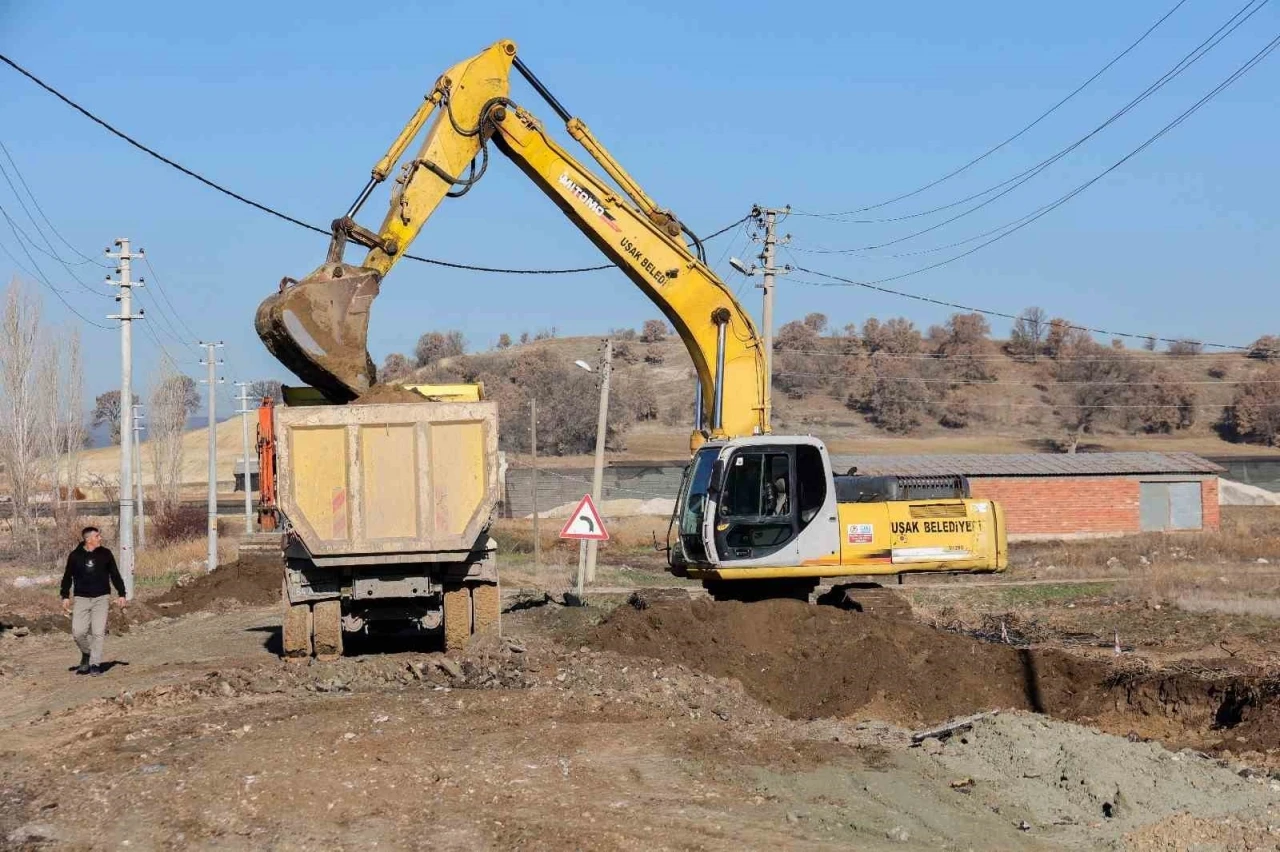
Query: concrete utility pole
{"points": [[244, 413], [212, 362], [767, 218], [137, 445], [597, 476], [533, 440], [126, 317]]}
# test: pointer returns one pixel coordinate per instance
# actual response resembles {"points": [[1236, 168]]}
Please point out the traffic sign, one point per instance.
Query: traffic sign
{"points": [[584, 523]]}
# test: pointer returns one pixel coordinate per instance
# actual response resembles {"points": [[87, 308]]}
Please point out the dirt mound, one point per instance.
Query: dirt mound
{"points": [[811, 661], [807, 662], [253, 581], [20, 626], [388, 393]]}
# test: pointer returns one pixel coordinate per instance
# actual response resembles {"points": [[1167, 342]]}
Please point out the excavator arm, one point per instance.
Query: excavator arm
{"points": [[318, 326]]}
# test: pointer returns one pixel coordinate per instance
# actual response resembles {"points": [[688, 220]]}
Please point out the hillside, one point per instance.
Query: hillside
{"points": [[104, 462], [1017, 410], [1163, 402]]}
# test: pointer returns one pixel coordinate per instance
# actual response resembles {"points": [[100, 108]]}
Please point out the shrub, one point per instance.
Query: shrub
{"points": [[1265, 348], [1185, 348], [1254, 414], [180, 523]]}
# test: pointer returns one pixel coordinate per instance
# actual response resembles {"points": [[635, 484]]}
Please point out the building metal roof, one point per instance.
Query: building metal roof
{"points": [[1029, 464]]}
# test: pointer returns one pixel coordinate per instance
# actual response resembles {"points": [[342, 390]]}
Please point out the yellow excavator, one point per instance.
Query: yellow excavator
{"points": [[758, 515]]}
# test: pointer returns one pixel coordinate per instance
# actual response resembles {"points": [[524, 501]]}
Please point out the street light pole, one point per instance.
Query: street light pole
{"points": [[597, 476]]}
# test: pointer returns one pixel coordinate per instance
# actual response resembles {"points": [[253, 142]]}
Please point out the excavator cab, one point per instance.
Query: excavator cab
{"points": [[761, 502], [768, 508]]}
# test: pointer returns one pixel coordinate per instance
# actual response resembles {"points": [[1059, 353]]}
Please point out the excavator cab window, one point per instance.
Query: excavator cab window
{"points": [[693, 503], [811, 483], [757, 507]]}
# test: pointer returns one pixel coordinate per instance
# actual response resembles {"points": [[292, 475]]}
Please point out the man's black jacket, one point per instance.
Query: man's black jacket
{"points": [[91, 571]]}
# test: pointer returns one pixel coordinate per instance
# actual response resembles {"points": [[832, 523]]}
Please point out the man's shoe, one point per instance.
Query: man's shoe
{"points": [[96, 670], [83, 668]]}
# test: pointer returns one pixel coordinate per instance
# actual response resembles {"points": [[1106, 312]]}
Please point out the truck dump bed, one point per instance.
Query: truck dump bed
{"points": [[400, 480]]}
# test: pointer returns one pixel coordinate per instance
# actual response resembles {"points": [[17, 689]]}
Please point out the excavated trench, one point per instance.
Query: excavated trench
{"points": [[809, 662]]}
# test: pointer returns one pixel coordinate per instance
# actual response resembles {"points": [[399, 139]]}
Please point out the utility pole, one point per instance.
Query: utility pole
{"points": [[137, 445], [126, 317], [767, 218], [212, 362], [248, 478], [597, 476], [533, 438]]}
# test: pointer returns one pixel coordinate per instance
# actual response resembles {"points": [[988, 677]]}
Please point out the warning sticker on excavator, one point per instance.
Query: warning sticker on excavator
{"points": [[584, 523], [861, 533]]}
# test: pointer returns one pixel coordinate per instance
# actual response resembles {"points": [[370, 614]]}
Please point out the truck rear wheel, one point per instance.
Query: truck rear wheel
{"points": [[486, 608], [457, 616], [296, 635], [326, 629]]}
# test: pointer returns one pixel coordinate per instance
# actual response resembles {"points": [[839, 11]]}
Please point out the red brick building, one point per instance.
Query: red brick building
{"points": [[1076, 496]]}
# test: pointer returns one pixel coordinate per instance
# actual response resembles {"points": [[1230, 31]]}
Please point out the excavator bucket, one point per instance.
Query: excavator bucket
{"points": [[318, 327]]}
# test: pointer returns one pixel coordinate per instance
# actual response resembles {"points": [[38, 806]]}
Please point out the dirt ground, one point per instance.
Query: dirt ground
{"points": [[658, 723]]}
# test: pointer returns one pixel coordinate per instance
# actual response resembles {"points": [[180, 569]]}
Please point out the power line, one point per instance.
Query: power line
{"points": [[1035, 383], [43, 215], [24, 240], [1037, 214], [726, 228], [278, 214], [1015, 136], [1048, 359], [163, 322], [40, 277], [1024, 176], [164, 294], [838, 281]]}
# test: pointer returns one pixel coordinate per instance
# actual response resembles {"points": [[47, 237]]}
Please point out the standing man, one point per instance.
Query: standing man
{"points": [[91, 569]]}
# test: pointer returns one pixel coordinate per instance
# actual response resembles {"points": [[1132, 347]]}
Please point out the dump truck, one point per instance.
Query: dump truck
{"points": [[384, 511]]}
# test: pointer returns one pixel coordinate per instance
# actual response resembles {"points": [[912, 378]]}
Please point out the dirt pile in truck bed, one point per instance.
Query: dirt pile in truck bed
{"points": [[388, 393], [809, 662]]}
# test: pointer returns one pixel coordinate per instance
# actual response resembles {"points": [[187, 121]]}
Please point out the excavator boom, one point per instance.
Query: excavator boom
{"points": [[318, 326]]}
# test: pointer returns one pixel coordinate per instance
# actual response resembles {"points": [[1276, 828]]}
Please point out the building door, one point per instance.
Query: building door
{"points": [[1170, 506]]}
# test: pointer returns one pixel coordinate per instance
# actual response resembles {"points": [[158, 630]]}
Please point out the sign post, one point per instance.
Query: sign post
{"points": [[584, 524]]}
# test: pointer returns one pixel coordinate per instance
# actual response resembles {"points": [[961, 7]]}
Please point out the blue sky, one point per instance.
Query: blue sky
{"points": [[712, 106]]}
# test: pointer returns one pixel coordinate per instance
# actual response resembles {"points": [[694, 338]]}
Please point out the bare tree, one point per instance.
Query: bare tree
{"points": [[263, 388], [72, 426], [106, 412], [1028, 334], [654, 331], [168, 419], [395, 368], [20, 411], [434, 346]]}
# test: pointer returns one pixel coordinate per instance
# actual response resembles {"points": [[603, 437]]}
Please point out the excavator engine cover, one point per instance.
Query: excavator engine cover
{"points": [[319, 327]]}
